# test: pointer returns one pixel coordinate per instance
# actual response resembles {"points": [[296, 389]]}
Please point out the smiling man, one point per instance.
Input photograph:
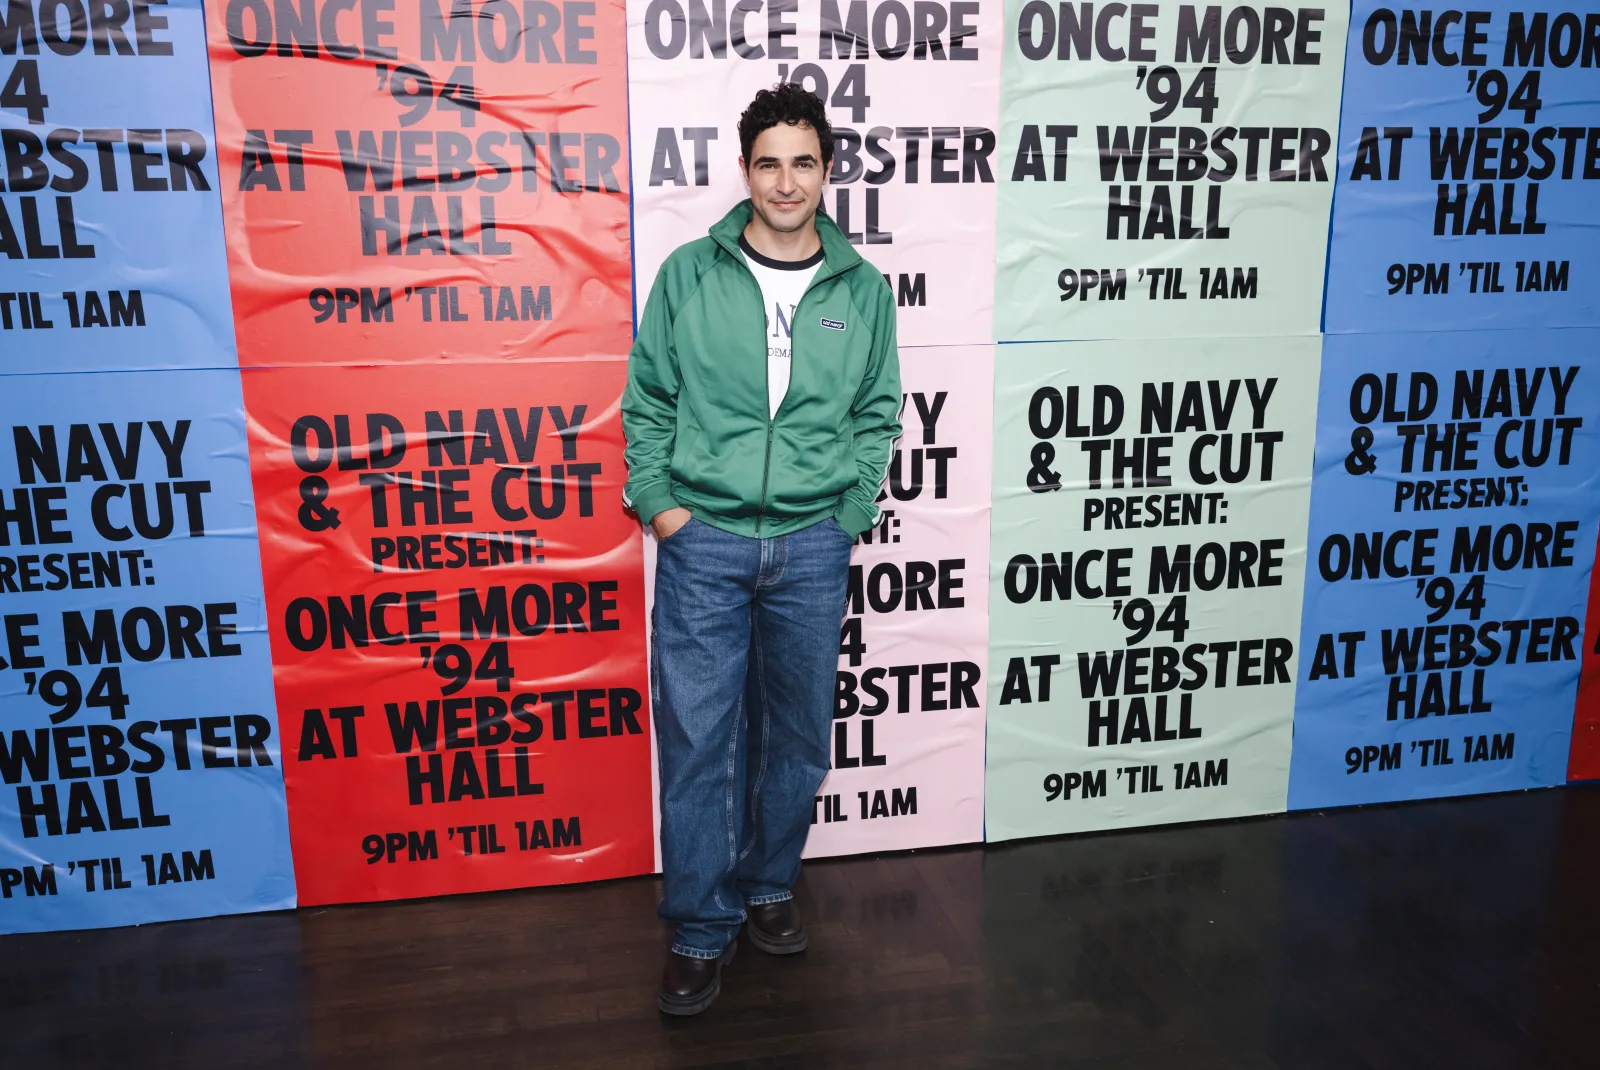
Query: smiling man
{"points": [[763, 399]]}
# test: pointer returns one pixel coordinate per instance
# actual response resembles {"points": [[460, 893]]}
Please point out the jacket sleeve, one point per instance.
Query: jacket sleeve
{"points": [[875, 419], [650, 407]]}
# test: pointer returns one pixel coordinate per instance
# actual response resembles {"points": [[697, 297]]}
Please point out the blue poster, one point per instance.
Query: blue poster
{"points": [[1468, 192], [1453, 516], [111, 250], [140, 773]]}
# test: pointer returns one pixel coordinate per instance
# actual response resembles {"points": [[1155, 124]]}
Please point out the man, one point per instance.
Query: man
{"points": [[763, 398]]}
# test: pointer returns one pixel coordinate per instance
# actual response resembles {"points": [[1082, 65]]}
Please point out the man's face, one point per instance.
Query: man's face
{"points": [[785, 175]]}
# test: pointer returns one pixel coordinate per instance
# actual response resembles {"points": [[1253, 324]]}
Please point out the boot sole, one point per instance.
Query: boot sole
{"points": [[775, 947], [684, 1008]]}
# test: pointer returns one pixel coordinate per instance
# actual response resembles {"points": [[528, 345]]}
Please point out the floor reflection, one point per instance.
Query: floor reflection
{"points": [[1455, 934]]}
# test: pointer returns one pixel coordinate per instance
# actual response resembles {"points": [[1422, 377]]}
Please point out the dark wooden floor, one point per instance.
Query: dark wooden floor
{"points": [[1457, 934]]}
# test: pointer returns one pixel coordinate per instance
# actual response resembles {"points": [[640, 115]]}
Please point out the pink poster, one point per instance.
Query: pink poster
{"points": [[913, 95], [908, 729]]}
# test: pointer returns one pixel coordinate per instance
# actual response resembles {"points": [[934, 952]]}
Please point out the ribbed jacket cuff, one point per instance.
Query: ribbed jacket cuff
{"points": [[652, 499], [854, 517]]}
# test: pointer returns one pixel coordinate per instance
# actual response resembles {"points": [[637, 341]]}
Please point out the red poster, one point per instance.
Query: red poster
{"points": [[1583, 761], [427, 214], [423, 180], [456, 607]]}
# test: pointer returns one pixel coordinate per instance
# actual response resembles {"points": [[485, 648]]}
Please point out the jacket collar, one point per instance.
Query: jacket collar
{"points": [[838, 256]]}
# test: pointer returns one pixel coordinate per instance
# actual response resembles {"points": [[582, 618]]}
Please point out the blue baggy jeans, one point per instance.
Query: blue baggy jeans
{"points": [[745, 647]]}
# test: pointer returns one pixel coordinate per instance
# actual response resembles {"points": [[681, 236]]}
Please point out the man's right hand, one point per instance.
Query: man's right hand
{"points": [[668, 521]]}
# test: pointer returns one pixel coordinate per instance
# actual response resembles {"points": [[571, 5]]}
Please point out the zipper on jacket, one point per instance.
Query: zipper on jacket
{"points": [[766, 467], [766, 376]]}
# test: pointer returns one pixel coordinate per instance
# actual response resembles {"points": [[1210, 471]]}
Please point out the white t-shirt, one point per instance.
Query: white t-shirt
{"points": [[782, 284]]}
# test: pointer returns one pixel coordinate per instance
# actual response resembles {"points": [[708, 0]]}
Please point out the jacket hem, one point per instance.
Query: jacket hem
{"points": [[771, 527]]}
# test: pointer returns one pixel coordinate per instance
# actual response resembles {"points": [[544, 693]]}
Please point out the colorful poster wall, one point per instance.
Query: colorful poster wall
{"points": [[1150, 504], [1452, 533], [313, 405], [913, 94], [1166, 169], [140, 767], [1469, 151], [428, 218], [908, 730]]}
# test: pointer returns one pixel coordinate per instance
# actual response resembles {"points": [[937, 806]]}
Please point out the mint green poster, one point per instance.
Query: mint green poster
{"points": [[1151, 499], [1166, 169]]}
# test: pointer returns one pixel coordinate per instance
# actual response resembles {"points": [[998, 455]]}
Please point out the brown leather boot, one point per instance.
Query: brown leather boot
{"points": [[776, 927], [690, 985]]}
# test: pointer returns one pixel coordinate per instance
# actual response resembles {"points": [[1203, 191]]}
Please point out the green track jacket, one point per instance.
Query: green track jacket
{"points": [[695, 408]]}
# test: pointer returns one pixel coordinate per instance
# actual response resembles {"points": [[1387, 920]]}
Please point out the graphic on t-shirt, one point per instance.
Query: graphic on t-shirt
{"points": [[780, 326], [783, 283]]}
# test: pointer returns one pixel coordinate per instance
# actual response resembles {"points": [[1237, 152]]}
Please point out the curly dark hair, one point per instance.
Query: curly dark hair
{"points": [[786, 102]]}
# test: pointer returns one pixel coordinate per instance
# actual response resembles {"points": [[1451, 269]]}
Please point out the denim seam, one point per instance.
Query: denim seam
{"points": [[779, 548], [763, 900], [733, 834], [695, 952], [751, 814]]}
